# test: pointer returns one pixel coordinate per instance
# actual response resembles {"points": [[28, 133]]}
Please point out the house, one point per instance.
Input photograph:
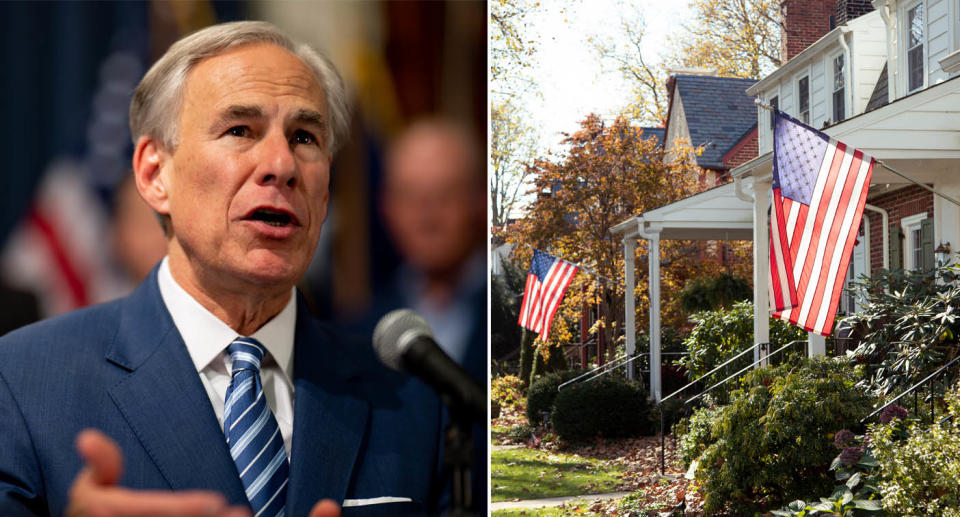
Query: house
{"points": [[880, 76]]}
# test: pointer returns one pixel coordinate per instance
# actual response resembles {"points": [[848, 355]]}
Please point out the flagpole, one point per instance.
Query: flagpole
{"points": [[903, 175]]}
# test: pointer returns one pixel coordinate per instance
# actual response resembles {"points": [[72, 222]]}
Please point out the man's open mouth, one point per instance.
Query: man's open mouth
{"points": [[272, 217]]}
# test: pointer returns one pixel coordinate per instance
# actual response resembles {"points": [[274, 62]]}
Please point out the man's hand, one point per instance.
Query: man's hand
{"points": [[94, 492], [325, 508]]}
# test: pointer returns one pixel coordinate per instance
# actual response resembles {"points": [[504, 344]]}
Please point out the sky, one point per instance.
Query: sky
{"points": [[572, 80]]}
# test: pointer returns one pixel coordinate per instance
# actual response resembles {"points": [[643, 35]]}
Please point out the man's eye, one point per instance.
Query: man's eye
{"points": [[239, 131], [303, 137]]}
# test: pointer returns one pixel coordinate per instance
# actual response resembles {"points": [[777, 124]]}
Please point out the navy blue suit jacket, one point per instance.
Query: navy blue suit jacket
{"points": [[361, 431]]}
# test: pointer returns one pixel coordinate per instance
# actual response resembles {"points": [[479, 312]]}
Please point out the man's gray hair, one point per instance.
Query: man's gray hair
{"points": [[155, 108]]}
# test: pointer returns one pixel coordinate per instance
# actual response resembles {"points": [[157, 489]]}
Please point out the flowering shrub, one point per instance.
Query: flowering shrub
{"points": [[920, 465], [506, 391]]}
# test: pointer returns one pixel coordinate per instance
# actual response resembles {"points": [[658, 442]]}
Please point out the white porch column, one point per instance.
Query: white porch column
{"points": [[629, 299], [761, 268], [653, 258], [816, 344]]}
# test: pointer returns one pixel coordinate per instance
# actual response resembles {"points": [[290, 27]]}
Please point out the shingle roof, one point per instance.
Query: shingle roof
{"points": [[718, 111], [879, 98], [654, 132]]}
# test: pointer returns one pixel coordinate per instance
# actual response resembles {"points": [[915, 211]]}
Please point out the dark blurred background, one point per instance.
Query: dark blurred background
{"points": [[72, 233]]}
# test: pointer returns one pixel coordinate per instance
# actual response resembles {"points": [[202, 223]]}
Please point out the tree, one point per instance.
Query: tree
{"points": [[738, 38], [610, 174], [513, 142], [512, 147], [625, 53], [512, 51]]}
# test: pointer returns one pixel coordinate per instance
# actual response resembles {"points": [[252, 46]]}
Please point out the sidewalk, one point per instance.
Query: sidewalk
{"points": [[553, 501]]}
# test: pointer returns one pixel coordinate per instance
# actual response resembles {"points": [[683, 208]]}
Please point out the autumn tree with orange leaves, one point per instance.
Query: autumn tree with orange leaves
{"points": [[610, 173]]}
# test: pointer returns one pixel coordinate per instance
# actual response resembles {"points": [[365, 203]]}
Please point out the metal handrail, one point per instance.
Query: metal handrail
{"points": [[663, 444], [616, 363], [738, 372], [911, 388], [711, 372]]}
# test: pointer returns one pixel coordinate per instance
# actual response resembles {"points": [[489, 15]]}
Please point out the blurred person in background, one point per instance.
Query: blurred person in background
{"points": [[433, 205]]}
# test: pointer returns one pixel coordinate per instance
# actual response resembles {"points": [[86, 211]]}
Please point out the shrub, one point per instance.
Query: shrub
{"points": [[610, 407], [694, 434], [720, 335], [920, 474], [773, 442], [907, 326], [708, 293], [506, 391], [543, 391]]}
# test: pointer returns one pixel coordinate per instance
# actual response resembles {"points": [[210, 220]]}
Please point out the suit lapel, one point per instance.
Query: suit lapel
{"points": [[330, 418], [164, 402]]}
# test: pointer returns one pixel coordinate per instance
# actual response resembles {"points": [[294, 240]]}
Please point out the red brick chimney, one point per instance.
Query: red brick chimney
{"points": [[804, 22]]}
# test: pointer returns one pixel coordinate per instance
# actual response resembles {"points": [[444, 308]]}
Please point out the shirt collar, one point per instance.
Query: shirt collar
{"points": [[206, 336]]}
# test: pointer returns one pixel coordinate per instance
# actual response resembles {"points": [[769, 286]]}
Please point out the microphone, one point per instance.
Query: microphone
{"points": [[404, 341]]}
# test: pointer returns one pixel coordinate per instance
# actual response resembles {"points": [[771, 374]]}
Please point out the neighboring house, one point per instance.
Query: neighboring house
{"points": [[714, 114], [880, 76]]}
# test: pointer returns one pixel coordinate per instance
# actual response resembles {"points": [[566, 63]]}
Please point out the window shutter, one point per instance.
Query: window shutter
{"points": [[896, 247], [926, 244]]}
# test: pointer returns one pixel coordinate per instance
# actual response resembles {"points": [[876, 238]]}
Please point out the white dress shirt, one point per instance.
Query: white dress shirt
{"points": [[207, 339]]}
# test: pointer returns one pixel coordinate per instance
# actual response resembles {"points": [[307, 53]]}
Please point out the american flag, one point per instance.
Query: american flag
{"points": [[547, 281], [819, 189]]}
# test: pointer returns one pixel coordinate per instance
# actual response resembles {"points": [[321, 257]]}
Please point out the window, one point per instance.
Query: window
{"points": [[839, 108], [914, 240], [914, 42], [803, 99]]}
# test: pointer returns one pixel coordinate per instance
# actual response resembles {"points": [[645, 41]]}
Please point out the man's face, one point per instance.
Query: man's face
{"points": [[248, 183], [431, 203]]}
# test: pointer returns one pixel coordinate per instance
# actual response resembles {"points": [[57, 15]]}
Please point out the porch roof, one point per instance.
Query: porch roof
{"points": [[714, 214]]}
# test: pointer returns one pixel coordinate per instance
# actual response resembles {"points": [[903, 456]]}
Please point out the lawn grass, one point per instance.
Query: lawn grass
{"points": [[535, 474], [578, 507]]}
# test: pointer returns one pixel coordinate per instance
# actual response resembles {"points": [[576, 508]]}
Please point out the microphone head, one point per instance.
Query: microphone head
{"points": [[395, 332]]}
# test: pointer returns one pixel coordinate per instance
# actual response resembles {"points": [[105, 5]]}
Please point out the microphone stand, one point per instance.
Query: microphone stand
{"points": [[458, 459]]}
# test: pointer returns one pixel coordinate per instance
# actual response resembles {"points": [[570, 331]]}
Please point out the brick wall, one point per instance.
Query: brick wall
{"points": [[805, 21], [850, 9], [898, 204], [744, 150]]}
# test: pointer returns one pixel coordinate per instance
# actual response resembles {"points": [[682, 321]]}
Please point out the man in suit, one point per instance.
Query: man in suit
{"points": [[211, 389]]}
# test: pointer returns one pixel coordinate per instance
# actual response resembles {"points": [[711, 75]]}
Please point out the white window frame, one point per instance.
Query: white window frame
{"points": [[905, 52], [796, 85], [830, 80], [910, 224], [768, 115]]}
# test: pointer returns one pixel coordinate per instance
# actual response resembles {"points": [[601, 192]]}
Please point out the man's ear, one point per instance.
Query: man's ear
{"points": [[150, 160]]}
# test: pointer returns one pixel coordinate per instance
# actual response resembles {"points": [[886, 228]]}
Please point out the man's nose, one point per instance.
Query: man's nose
{"points": [[276, 162]]}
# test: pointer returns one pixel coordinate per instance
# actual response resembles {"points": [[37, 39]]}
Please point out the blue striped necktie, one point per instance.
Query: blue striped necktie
{"points": [[252, 432]]}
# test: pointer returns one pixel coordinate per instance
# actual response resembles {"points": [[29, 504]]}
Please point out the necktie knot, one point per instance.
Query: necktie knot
{"points": [[247, 354]]}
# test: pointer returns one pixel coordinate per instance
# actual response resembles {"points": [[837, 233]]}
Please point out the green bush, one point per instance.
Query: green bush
{"points": [[907, 327], [920, 475], [694, 434], [719, 335], [610, 407], [773, 442], [543, 391], [709, 293]]}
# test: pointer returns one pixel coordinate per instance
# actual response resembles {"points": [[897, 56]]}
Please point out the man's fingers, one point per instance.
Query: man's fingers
{"points": [[325, 508], [102, 456], [120, 502]]}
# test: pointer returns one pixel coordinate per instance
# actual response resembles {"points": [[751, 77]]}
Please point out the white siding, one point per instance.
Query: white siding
{"points": [[819, 108], [868, 47], [938, 38]]}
